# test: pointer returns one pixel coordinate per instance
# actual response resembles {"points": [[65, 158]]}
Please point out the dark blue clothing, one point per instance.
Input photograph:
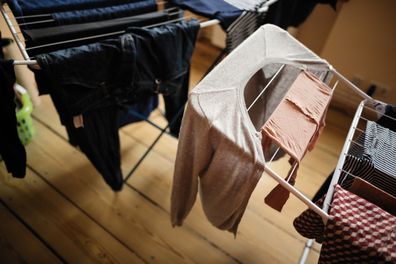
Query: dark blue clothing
{"points": [[96, 80], [286, 13], [104, 13], [214, 9], [36, 7], [137, 112]]}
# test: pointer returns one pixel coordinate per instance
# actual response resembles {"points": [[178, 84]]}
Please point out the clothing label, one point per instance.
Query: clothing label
{"points": [[245, 4], [78, 121]]}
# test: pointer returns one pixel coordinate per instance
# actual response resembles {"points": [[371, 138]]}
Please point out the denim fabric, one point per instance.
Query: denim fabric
{"points": [[137, 112], [218, 9], [29, 7], [11, 149], [35, 37], [109, 12], [96, 80]]}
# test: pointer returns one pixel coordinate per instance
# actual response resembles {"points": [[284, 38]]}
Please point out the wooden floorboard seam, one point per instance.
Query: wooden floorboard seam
{"points": [[185, 226], [33, 231], [85, 213], [147, 145]]}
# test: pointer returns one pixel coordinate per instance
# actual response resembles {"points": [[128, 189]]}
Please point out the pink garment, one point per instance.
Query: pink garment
{"points": [[296, 124]]}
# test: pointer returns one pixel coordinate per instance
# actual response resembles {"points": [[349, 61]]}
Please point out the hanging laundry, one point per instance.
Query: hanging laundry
{"points": [[310, 225], [104, 13], [305, 106], [358, 232], [137, 112], [28, 7], [286, 13], [86, 31], [218, 9], [388, 120], [220, 146], [246, 4], [364, 168], [117, 72], [380, 145], [374, 195], [11, 149], [244, 26]]}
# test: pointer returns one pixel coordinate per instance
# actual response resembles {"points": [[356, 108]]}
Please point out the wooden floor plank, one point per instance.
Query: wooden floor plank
{"points": [[135, 221], [70, 232], [18, 244]]}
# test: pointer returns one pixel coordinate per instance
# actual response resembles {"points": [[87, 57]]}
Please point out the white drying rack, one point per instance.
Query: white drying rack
{"points": [[322, 212], [349, 141]]}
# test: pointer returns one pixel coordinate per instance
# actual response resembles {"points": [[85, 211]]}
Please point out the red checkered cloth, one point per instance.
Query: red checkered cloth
{"points": [[359, 232], [310, 225]]}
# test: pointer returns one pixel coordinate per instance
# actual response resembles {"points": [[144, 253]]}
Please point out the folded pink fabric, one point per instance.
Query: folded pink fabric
{"points": [[296, 124]]}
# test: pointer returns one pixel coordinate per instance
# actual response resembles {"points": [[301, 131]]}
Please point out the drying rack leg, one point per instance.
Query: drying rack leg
{"points": [[307, 249], [163, 131]]}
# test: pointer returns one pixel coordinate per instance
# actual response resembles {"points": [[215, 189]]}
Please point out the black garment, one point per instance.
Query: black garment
{"points": [[42, 36], [11, 148], [385, 121], [285, 13], [96, 80]]}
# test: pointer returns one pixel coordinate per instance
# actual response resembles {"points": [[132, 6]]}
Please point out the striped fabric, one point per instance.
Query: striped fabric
{"points": [[245, 25], [245, 4], [380, 144], [365, 169]]}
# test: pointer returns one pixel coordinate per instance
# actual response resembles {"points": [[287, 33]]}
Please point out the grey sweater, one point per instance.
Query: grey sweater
{"points": [[220, 151]]}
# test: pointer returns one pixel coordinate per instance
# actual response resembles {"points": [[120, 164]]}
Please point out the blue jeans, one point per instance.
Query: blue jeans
{"points": [[29, 7], [138, 111], [215, 9], [96, 80], [104, 13]]}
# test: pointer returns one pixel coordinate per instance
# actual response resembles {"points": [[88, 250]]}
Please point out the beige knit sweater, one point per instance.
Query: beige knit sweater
{"points": [[220, 151]]}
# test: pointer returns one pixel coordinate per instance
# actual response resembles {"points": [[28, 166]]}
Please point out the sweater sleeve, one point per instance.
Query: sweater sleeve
{"points": [[193, 156]]}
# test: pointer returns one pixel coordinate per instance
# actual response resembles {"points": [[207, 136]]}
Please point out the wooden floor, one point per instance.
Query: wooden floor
{"points": [[64, 212]]}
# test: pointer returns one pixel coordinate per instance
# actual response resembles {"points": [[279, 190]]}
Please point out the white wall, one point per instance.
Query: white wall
{"points": [[362, 42]]}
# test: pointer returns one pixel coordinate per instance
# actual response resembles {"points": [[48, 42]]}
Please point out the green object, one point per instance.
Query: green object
{"points": [[25, 126]]}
